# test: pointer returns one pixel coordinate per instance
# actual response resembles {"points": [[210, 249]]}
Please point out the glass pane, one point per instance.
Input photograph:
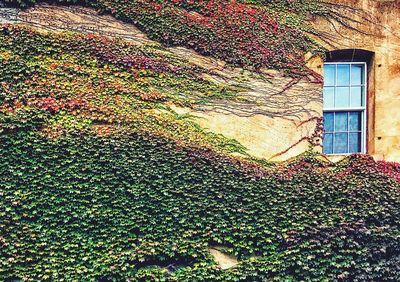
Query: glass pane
{"points": [[357, 96], [329, 97], [357, 74], [340, 143], [329, 75], [355, 121], [341, 121], [343, 75], [328, 122], [355, 143], [342, 97], [328, 143]]}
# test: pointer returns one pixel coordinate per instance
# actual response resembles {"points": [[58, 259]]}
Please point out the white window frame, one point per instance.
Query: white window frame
{"points": [[363, 109]]}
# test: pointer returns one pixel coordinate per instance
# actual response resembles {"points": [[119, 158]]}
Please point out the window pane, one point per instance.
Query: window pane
{"points": [[342, 97], [355, 121], [340, 143], [328, 143], [357, 74], [329, 75], [341, 121], [343, 75], [328, 122], [357, 96], [329, 97], [355, 142]]}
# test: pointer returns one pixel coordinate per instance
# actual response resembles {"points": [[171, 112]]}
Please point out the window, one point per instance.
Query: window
{"points": [[344, 108]]}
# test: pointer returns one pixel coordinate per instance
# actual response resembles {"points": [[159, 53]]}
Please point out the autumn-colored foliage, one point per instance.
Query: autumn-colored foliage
{"points": [[249, 34], [101, 181]]}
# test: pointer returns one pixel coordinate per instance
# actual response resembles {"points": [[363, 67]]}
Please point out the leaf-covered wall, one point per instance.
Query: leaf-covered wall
{"points": [[105, 175], [271, 114], [375, 29]]}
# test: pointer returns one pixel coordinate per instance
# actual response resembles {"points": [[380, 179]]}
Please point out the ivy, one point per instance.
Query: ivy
{"points": [[101, 181], [249, 34], [57, 83], [140, 207]]}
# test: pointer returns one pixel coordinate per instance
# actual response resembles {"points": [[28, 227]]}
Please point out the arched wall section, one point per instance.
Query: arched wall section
{"points": [[375, 36], [352, 55]]}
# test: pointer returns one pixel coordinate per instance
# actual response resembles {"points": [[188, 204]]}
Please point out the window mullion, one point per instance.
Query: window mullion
{"points": [[333, 133], [348, 132], [350, 88]]}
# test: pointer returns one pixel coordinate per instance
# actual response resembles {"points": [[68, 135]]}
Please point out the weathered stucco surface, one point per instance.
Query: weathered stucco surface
{"points": [[274, 118], [378, 31]]}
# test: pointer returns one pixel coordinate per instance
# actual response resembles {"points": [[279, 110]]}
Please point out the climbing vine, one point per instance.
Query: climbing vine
{"points": [[101, 181], [136, 206], [67, 82], [250, 34]]}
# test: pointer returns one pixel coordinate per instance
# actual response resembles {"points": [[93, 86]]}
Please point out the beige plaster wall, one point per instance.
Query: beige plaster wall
{"points": [[272, 123], [376, 28], [380, 33]]}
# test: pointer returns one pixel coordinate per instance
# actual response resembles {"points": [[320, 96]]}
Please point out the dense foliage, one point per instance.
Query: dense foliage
{"points": [[141, 207], [251, 34], [74, 82], [101, 181]]}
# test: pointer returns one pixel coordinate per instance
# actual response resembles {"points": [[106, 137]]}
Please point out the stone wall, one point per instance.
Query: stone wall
{"points": [[274, 118], [378, 31]]}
